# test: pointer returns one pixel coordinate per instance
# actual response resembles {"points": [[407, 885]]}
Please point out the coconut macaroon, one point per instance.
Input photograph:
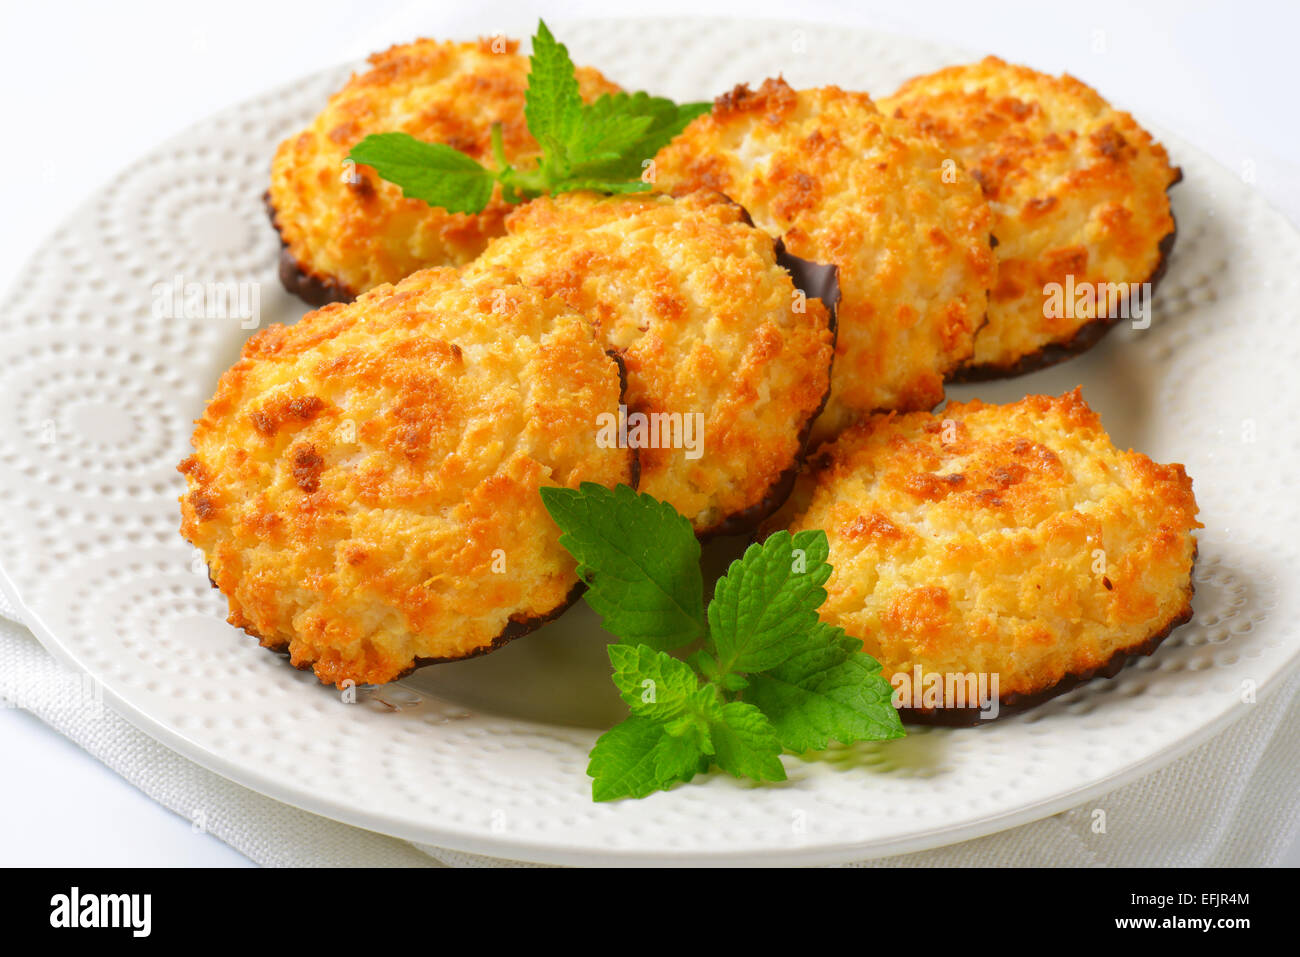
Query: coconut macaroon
{"points": [[346, 230], [841, 183], [1079, 194], [727, 362], [1012, 541], [364, 484]]}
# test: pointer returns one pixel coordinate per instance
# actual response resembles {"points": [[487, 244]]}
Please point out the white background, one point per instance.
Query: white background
{"points": [[91, 86]]}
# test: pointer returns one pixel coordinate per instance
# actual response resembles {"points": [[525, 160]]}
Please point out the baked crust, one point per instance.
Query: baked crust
{"points": [[313, 290], [346, 230], [1013, 540], [843, 184], [1077, 187], [364, 483], [1083, 339], [1018, 703], [702, 308]]}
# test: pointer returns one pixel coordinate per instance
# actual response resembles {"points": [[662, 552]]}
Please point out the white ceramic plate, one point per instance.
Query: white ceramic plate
{"points": [[97, 394]]}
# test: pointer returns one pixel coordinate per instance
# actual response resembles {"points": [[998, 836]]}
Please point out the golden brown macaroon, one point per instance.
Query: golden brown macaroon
{"points": [[710, 327], [1013, 540], [345, 229], [364, 484], [841, 183], [1076, 186]]}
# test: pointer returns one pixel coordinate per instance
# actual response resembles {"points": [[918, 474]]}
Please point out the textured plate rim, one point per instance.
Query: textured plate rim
{"points": [[560, 854]]}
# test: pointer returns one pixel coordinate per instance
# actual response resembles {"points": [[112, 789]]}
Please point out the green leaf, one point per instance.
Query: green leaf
{"points": [[679, 759], [628, 122], [733, 682], [828, 690], [601, 186], [608, 126], [637, 126], [670, 124], [619, 135], [796, 682], [639, 757], [767, 600], [552, 103], [693, 727], [745, 743], [601, 146], [704, 663], [654, 684], [433, 172], [640, 559]]}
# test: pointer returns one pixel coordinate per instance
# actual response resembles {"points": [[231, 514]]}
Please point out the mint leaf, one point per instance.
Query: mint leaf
{"points": [[609, 125], [669, 119], [640, 559], [770, 677], [828, 690], [745, 743], [679, 758], [639, 757], [433, 172], [601, 146], [603, 186], [654, 684], [620, 131], [552, 103], [767, 600]]}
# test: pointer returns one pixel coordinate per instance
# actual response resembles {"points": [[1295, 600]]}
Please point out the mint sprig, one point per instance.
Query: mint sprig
{"points": [[770, 676], [599, 146], [646, 594], [827, 690], [433, 172]]}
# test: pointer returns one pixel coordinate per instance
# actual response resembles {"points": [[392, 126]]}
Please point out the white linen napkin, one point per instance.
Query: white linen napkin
{"points": [[1232, 801]]}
